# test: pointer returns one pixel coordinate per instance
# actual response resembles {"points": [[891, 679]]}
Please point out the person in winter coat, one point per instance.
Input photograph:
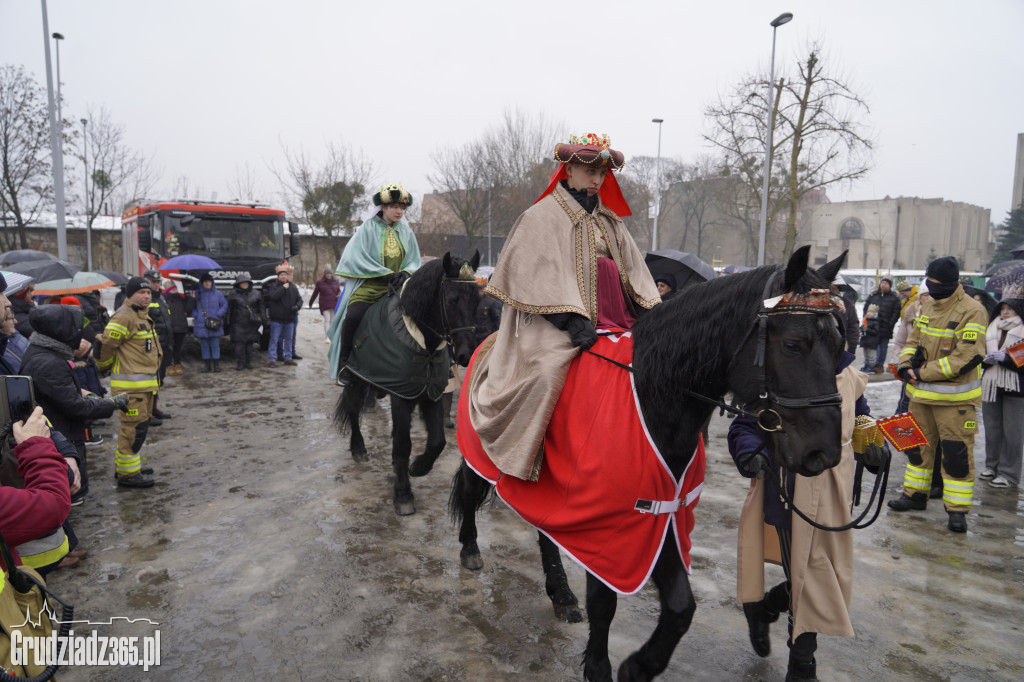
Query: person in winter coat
{"points": [[818, 565], [283, 302], [666, 286], [888, 303], [57, 335], [245, 315], [869, 338], [160, 314], [210, 305], [327, 289], [1002, 392], [22, 304], [180, 306], [44, 503]]}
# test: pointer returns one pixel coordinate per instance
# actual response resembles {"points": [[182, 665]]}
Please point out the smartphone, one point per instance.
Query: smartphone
{"points": [[19, 397]]}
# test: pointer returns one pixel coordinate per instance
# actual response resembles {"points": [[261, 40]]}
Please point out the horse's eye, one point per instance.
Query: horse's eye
{"points": [[791, 346]]}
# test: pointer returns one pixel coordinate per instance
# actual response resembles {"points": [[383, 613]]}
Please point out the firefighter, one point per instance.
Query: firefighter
{"points": [[160, 313], [941, 364], [131, 349]]}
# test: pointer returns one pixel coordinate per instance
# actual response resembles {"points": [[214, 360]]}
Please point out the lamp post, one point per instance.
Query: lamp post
{"points": [[784, 18], [57, 37], [657, 189], [56, 153], [88, 216]]}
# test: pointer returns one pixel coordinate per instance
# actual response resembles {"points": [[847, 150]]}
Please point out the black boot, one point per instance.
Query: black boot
{"points": [[216, 365], [957, 522], [919, 501], [206, 367], [758, 620], [802, 670]]}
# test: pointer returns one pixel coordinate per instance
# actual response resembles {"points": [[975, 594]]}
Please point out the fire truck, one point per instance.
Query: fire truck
{"points": [[240, 237]]}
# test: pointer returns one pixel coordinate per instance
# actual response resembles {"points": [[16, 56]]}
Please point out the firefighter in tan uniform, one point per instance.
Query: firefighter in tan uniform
{"points": [[131, 350], [941, 364]]}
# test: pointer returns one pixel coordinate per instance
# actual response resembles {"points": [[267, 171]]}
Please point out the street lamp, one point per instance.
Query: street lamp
{"points": [[657, 189], [85, 170], [57, 37], [784, 18], [56, 153]]}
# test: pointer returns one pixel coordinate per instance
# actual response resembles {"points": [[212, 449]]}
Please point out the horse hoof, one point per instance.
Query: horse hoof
{"points": [[420, 466], [360, 455], [472, 562], [629, 671], [567, 613], [405, 508]]}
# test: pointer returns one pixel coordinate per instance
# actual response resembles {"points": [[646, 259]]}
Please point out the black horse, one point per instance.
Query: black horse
{"points": [[442, 302], [717, 337]]}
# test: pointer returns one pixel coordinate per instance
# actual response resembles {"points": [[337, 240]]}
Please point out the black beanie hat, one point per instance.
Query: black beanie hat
{"points": [[668, 279], [3, 284], [136, 283], [945, 269]]}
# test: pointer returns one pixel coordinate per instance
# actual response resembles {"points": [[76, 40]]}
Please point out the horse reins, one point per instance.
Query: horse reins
{"points": [[447, 330]]}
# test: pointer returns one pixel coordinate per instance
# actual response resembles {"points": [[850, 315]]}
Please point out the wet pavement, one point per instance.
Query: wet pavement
{"points": [[265, 552]]}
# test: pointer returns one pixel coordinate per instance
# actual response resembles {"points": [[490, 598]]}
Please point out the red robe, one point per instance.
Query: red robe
{"points": [[601, 477]]}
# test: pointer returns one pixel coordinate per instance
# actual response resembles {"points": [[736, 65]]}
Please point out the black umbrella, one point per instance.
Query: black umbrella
{"points": [[44, 270], [25, 256], [1002, 274], [686, 268], [1018, 251], [115, 277], [986, 298]]}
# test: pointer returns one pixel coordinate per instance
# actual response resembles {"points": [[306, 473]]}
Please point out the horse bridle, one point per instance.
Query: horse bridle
{"points": [[447, 331], [817, 302]]}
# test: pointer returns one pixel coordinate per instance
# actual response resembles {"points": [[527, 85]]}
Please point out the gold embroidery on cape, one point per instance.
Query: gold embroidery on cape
{"points": [[391, 248]]}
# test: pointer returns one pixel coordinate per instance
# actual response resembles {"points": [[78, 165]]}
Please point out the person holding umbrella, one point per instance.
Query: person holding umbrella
{"points": [[208, 322], [666, 286]]}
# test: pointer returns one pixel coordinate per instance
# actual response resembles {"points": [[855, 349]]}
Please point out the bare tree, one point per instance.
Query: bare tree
{"points": [[497, 177], [26, 184], [111, 166], [640, 184], [244, 186], [326, 193], [819, 140], [697, 199]]}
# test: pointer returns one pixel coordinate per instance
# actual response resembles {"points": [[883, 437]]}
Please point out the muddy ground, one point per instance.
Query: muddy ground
{"points": [[266, 552]]}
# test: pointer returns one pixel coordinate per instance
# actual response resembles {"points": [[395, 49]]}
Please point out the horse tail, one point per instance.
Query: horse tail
{"points": [[469, 492], [349, 402]]}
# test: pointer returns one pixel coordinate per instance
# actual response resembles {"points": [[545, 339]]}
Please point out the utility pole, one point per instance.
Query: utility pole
{"points": [[55, 146]]}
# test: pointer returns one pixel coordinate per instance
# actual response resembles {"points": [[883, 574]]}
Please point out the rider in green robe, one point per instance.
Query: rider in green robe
{"points": [[382, 253]]}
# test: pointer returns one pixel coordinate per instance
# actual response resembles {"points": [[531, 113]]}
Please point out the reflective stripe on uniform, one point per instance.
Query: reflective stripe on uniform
{"points": [[908, 350], [957, 492], [946, 369], [150, 381], [46, 550], [945, 392], [127, 464], [917, 478]]}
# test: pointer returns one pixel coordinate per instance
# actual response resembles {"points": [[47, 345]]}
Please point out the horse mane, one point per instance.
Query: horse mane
{"points": [[690, 339], [419, 297]]}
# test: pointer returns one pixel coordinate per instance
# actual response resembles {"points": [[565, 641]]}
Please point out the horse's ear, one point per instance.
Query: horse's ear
{"points": [[797, 266], [829, 270], [447, 265], [475, 260]]}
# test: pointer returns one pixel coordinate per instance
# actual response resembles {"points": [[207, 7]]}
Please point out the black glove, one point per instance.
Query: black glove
{"points": [[904, 373], [754, 463], [120, 401], [917, 361], [396, 279], [582, 332], [873, 457]]}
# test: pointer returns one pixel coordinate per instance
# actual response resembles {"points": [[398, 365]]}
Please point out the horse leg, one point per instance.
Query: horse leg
{"points": [[556, 584], [401, 446], [601, 603], [346, 414], [434, 421], [677, 609], [469, 491]]}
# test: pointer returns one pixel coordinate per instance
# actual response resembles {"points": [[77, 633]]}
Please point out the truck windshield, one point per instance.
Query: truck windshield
{"points": [[215, 237]]}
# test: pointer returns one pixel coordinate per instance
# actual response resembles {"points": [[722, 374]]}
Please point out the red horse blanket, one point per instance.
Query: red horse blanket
{"points": [[605, 494]]}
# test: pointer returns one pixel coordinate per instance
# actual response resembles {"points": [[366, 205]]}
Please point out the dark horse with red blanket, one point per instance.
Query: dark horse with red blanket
{"points": [[768, 336]]}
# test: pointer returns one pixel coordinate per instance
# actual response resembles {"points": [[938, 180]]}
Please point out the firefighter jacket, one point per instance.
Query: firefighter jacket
{"points": [[945, 348], [131, 350]]}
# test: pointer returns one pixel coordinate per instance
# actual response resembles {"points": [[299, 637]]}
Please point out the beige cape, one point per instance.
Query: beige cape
{"points": [[821, 561], [548, 265]]}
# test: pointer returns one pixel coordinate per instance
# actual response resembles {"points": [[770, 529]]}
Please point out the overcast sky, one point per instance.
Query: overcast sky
{"points": [[208, 86]]}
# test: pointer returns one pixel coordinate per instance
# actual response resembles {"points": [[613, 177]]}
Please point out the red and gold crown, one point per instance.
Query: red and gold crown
{"points": [[590, 149]]}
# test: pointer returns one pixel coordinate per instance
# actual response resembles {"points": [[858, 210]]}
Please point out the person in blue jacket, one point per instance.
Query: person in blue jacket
{"points": [[210, 305]]}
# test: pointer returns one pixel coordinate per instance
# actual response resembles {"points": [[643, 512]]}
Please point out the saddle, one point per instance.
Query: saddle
{"points": [[388, 353], [605, 495]]}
